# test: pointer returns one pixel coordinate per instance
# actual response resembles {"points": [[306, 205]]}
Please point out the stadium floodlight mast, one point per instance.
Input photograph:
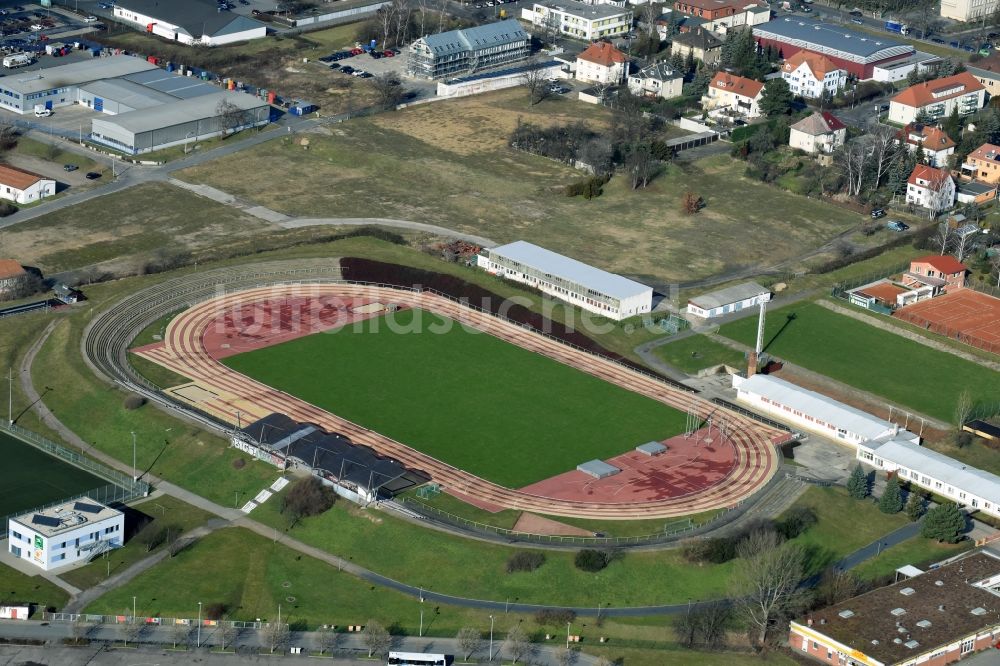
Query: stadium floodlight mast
{"points": [[135, 477], [199, 624], [10, 397]]}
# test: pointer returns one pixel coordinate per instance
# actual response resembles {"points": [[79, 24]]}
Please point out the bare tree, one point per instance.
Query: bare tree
{"points": [[375, 637], [227, 633], [8, 136], [883, 146], [386, 21], [131, 629], [964, 240], [275, 634], [566, 656], [650, 12], [851, 161], [639, 163], [964, 407], [327, 640], [942, 237], [518, 644], [79, 629], [766, 580], [231, 117], [389, 90], [470, 640], [179, 633], [422, 7], [535, 82], [995, 265]]}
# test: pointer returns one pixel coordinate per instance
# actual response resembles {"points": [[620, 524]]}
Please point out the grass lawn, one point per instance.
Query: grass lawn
{"points": [[18, 587], [251, 575], [450, 163], [681, 657], [34, 478], [410, 552], [171, 449], [917, 551], [869, 358], [697, 352], [844, 525], [55, 154], [160, 512], [476, 402], [128, 228]]}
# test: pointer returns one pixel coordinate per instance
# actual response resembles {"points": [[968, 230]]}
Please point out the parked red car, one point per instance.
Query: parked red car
{"points": [[388, 53], [355, 52]]}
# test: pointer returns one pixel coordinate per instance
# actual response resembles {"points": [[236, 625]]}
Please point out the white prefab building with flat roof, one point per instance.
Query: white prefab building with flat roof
{"points": [[575, 282], [963, 484], [731, 299], [815, 412], [65, 533]]}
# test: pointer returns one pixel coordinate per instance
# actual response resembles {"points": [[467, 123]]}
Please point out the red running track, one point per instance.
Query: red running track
{"points": [[223, 392]]}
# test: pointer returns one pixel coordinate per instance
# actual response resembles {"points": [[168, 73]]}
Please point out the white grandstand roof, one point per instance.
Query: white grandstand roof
{"points": [[585, 275], [941, 468], [821, 407]]}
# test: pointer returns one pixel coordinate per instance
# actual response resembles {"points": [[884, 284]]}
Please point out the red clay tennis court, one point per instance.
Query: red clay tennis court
{"points": [[965, 315]]}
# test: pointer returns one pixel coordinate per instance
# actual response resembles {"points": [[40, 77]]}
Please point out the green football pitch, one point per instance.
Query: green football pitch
{"points": [[466, 398], [30, 478], [869, 358]]}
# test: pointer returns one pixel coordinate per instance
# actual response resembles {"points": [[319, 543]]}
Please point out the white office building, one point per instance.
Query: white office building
{"points": [[730, 299], [963, 484], [66, 533], [815, 412], [575, 282], [579, 19]]}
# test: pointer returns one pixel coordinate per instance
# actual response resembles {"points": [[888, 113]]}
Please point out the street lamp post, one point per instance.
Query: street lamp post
{"points": [[135, 477], [567, 635], [491, 637], [133, 609], [199, 624]]}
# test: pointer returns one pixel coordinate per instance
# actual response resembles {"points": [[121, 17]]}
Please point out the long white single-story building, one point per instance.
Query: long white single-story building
{"points": [[815, 412], [730, 299], [963, 484], [189, 21], [24, 187], [65, 533], [575, 282]]}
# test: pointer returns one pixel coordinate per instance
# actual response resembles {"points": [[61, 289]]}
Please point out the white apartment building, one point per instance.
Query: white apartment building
{"points": [[963, 484], [575, 282], [967, 10], [601, 62], [812, 74], [734, 94], [930, 188], [65, 533], [578, 19], [938, 98]]}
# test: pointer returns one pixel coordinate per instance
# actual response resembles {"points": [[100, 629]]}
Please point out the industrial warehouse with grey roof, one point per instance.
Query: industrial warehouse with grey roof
{"points": [[832, 40], [468, 50], [186, 120]]}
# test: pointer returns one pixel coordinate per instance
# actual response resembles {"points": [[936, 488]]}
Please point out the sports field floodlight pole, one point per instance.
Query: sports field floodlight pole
{"points": [[135, 477], [199, 624], [491, 637], [567, 635], [10, 397]]}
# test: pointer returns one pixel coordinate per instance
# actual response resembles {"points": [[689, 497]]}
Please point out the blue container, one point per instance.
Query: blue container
{"points": [[170, 66], [373, 43]]}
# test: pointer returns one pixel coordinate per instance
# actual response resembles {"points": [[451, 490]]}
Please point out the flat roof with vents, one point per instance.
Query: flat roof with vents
{"points": [[907, 591], [945, 607], [65, 516], [597, 469]]}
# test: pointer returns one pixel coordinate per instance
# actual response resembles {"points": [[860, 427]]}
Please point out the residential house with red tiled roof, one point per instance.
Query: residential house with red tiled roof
{"points": [[601, 62], [734, 93], [822, 132], [937, 145], [942, 269], [938, 98], [930, 188], [811, 74], [22, 186], [983, 164], [12, 276]]}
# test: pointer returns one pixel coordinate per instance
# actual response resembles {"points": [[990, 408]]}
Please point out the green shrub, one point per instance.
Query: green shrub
{"points": [[591, 560], [525, 560]]}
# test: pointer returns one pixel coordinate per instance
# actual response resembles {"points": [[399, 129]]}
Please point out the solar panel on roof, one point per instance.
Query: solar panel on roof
{"points": [[89, 508], [47, 521]]}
